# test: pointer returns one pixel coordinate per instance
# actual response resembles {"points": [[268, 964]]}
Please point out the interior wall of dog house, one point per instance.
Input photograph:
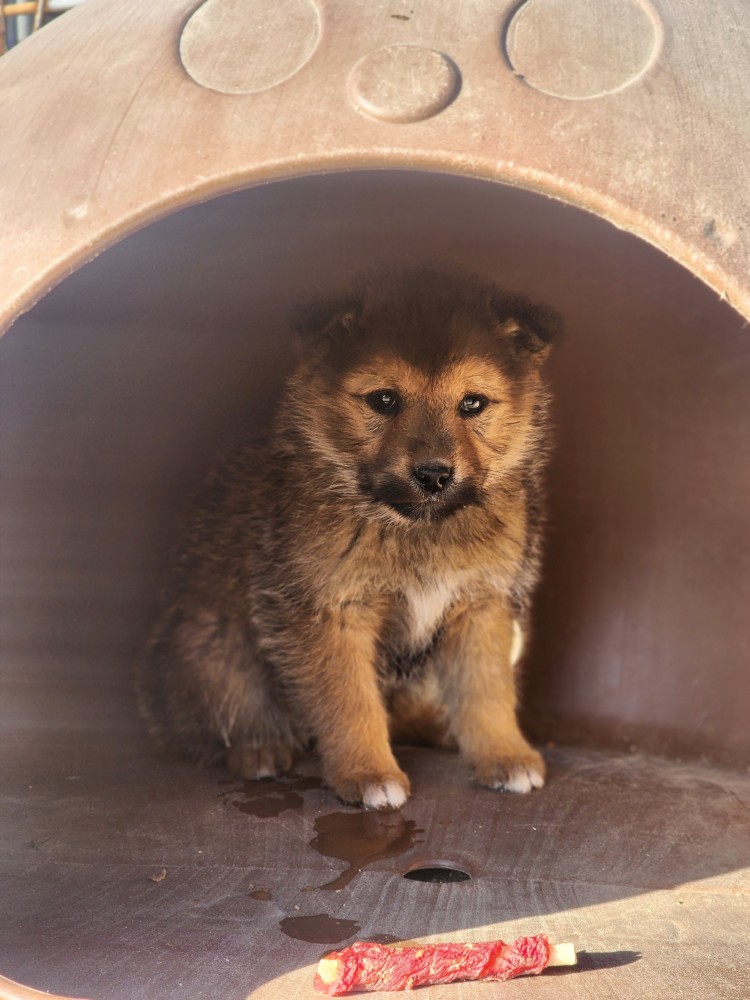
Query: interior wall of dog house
{"points": [[122, 384], [240, 174]]}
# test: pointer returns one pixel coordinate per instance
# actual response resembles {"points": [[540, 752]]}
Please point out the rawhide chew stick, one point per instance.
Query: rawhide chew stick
{"points": [[373, 967]]}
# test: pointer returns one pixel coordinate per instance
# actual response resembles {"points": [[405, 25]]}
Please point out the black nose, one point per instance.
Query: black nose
{"points": [[433, 476]]}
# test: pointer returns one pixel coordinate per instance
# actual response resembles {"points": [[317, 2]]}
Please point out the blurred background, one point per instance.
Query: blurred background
{"points": [[19, 20]]}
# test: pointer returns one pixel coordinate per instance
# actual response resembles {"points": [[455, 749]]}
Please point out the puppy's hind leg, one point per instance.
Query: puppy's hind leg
{"points": [[207, 694]]}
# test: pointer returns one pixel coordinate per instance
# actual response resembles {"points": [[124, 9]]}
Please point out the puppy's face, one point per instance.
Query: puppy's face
{"points": [[426, 405], [429, 444]]}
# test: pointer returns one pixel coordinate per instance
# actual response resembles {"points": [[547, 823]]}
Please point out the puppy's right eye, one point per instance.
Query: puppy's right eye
{"points": [[383, 401]]}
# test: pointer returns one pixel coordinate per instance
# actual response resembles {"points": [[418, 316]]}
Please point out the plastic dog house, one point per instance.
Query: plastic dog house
{"points": [[174, 179]]}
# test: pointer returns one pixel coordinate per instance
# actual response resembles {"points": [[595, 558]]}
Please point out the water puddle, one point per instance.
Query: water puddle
{"points": [[361, 838], [269, 797]]}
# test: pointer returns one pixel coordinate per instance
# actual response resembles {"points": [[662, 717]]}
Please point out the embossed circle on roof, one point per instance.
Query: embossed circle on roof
{"points": [[579, 50], [247, 46], [403, 83]]}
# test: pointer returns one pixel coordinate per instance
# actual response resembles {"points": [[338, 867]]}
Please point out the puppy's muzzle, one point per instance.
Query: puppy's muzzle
{"points": [[433, 477], [424, 494]]}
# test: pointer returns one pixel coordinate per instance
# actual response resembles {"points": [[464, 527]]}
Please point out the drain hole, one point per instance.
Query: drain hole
{"points": [[437, 873]]}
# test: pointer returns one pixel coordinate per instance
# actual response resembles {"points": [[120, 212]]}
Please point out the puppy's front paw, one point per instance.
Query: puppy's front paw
{"points": [[248, 761], [374, 791], [385, 795], [512, 773]]}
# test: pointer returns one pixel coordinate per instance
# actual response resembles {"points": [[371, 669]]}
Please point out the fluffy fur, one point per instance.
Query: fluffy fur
{"points": [[364, 576]]}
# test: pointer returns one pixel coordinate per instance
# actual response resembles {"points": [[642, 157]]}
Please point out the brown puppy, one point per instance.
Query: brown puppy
{"points": [[365, 575]]}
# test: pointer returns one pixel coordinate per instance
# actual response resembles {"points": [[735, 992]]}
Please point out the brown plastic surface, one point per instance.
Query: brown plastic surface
{"points": [[124, 876], [633, 110]]}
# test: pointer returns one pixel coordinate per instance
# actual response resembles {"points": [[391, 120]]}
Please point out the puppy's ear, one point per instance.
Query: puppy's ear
{"points": [[330, 324], [530, 329]]}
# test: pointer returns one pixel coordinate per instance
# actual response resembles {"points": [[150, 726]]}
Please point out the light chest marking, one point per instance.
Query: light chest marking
{"points": [[427, 609]]}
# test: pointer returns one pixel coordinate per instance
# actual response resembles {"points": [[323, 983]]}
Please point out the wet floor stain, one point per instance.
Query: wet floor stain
{"points": [[320, 928], [268, 797], [261, 894], [361, 838]]}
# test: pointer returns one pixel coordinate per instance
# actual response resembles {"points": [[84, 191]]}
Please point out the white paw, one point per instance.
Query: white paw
{"points": [[385, 795], [522, 780]]}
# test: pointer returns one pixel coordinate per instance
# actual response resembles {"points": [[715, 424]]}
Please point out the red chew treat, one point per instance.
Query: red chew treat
{"points": [[372, 967]]}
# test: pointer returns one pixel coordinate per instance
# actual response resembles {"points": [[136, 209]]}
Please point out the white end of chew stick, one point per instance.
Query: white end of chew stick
{"points": [[328, 970], [562, 954]]}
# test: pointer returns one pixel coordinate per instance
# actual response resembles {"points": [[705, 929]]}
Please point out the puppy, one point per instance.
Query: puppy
{"points": [[364, 576]]}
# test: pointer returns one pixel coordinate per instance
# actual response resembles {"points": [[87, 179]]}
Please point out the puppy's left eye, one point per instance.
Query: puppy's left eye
{"points": [[384, 401], [471, 405]]}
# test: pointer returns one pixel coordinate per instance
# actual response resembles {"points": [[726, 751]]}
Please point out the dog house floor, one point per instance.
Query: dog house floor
{"points": [[125, 876]]}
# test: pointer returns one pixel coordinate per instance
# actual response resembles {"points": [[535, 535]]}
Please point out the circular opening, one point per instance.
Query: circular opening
{"points": [[123, 384], [437, 872]]}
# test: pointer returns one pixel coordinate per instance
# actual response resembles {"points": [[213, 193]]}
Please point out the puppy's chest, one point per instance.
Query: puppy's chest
{"points": [[423, 610], [414, 626]]}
